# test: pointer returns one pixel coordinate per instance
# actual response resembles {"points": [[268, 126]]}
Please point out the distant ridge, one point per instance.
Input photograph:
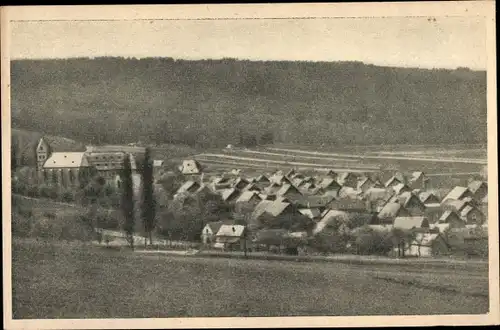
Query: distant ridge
{"points": [[211, 103]]}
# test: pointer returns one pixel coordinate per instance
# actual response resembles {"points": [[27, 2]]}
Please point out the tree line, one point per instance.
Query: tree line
{"points": [[210, 103]]}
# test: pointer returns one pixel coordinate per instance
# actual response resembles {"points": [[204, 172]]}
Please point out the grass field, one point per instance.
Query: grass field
{"points": [[73, 280]]}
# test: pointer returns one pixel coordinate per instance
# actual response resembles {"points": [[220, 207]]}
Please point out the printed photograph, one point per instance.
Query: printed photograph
{"points": [[167, 168]]}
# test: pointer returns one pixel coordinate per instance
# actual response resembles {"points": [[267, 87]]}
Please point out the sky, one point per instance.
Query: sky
{"points": [[406, 42]]}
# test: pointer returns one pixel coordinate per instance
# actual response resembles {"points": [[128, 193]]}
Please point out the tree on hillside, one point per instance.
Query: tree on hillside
{"points": [[127, 201], [148, 200]]}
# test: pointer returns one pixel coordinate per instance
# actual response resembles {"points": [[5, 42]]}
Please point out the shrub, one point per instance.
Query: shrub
{"points": [[68, 196], [370, 241]]}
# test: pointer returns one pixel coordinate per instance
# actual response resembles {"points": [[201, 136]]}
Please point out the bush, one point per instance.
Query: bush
{"points": [[68, 196], [369, 241], [328, 242]]}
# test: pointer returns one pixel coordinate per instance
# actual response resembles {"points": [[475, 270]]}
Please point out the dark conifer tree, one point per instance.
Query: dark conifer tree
{"points": [[127, 202], [148, 201]]}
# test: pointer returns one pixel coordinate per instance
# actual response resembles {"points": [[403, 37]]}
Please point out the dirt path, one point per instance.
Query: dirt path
{"points": [[425, 159]]}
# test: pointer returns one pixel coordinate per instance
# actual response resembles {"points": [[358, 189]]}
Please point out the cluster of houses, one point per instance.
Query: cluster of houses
{"points": [[401, 201]]}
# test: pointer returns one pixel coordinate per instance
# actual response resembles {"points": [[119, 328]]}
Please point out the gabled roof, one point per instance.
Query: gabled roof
{"points": [[416, 175], [214, 226], [426, 239], [405, 198], [252, 187], [260, 208], [157, 163], [475, 185], [190, 166], [411, 222], [229, 193], [328, 217], [276, 208], [467, 209], [312, 213], [347, 204], [400, 187], [424, 196], [456, 205], [374, 194], [329, 183], [392, 180], [390, 210], [342, 178], [231, 231], [314, 201], [186, 186], [287, 188], [247, 196], [349, 192], [364, 181], [446, 215], [456, 193], [66, 160], [262, 178]]}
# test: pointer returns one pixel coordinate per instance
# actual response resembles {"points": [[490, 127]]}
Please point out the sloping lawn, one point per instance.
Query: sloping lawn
{"points": [[74, 280]]}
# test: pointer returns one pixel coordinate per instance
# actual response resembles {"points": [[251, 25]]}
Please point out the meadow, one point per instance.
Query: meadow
{"points": [[78, 280]]}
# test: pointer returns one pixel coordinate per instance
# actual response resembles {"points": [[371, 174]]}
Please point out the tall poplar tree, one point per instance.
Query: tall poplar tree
{"points": [[127, 201], [148, 202]]}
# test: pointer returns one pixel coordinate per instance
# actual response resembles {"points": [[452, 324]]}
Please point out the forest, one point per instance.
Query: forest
{"points": [[211, 103]]}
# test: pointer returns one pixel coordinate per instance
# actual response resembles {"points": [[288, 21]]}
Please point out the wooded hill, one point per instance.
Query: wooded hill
{"points": [[210, 103]]}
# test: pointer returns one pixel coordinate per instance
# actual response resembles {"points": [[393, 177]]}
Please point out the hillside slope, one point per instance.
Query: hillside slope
{"points": [[215, 102]]}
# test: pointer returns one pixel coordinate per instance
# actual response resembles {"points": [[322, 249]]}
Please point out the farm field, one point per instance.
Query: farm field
{"points": [[447, 167], [75, 280]]}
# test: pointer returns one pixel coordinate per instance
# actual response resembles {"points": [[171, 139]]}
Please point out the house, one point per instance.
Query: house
{"points": [[230, 195], [452, 219], [188, 187], [348, 205], [329, 184], [364, 184], [272, 189], [411, 223], [190, 166], [262, 179], [455, 205], [252, 187], [250, 197], [240, 183], [392, 182], [65, 168], [479, 189], [289, 191], [390, 211], [417, 180], [348, 179], [376, 198], [472, 215], [209, 231], [231, 237], [433, 211], [428, 245], [428, 197], [348, 192], [400, 188], [457, 193], [320, 202], [410, 202]]}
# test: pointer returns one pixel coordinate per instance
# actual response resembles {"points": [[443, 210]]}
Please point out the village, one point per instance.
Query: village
{"points": [[287, 211]]}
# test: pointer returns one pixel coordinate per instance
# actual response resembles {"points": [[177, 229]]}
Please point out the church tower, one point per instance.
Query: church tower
{"points": [[42, 153]]}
